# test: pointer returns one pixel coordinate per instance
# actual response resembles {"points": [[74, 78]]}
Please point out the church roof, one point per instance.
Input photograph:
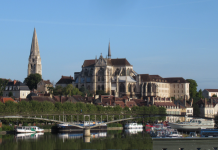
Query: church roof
{"points": [[110, 62], [34, 46], [157, 78]]}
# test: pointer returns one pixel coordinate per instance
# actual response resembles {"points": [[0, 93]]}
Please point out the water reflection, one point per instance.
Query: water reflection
{"points": [[133, 131], [25, 136]]}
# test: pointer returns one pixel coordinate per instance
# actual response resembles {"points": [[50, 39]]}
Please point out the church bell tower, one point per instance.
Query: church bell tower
{"points": [[34, 65]]}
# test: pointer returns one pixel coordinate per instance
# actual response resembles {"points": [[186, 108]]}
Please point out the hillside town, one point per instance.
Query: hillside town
{"points": [[108, 81]]}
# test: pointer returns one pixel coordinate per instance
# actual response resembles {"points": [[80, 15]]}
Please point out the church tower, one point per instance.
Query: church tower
{"points": [[34, 65], [109, 50]]}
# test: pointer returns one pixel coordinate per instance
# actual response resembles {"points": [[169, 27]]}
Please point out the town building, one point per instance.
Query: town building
{"points": [[117, 77], [208, 93], [208, 108], [17, 88], [34, 65], [43, 86], [64, 81]]}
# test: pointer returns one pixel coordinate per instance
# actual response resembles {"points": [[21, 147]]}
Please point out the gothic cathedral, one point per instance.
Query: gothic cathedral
{"points": [[34, 65]]}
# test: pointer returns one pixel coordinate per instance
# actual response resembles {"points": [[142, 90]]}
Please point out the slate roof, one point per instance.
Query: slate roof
{"points": [[181, 103], [212, 90], [42, 99], [157, 78], [65, 80], [164, 104], [110, 62]]}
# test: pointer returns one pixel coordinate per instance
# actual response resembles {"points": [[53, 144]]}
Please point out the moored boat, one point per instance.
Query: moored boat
{"points": [[194, 124], [28, 129], [133, 126]]}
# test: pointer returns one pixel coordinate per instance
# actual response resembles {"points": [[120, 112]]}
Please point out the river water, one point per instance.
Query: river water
{"points": [[126, 139]]}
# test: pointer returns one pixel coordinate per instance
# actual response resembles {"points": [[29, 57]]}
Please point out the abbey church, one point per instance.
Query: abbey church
{"points": [[117, 77]]}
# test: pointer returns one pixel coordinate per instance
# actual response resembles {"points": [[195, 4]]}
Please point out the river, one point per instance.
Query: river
{"points": [[126, 139]]}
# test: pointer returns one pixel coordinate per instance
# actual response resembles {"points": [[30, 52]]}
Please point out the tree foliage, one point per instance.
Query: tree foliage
{"points": [[199, 94], [3, 84], [101, 92], [32, 80], [192, 87]]}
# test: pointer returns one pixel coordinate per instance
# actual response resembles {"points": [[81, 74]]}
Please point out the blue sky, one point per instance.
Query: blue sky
{"points": [[170, 38]]}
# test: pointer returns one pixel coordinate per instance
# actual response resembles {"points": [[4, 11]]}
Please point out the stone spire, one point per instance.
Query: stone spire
{"points": [[34, 46], [34, 65], [109, 50]]}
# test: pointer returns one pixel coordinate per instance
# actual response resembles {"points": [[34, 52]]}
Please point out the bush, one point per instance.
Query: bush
{"points": [[7, 128]]}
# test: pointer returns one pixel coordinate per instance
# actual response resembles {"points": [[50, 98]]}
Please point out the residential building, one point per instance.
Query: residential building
{"points": [[208, 93], [208, 108], [64, 81], [43, 85], [17, 88], [34, 65]]}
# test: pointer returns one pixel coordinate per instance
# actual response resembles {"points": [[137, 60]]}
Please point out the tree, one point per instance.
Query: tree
{"points": [[32, 80], [10, 94], [85, 91], [192, 87], [199, 94], [101, 92], [214, 95], [3, 83]]}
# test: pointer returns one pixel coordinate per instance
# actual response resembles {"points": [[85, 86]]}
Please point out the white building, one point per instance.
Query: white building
{"points": [[208, 93]]}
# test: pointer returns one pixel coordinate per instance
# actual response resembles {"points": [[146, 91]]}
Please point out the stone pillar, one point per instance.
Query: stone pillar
{"points": [[86, 132], [94, 81], [142, 91], [146, 89]]}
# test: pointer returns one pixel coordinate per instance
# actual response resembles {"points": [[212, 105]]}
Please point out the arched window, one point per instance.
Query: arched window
{"points": [[122, 87], [99, 88], [135, 88], [123, 72], [117, 72], [128, 73], [99, 79], [102, 87], [129, 88], [101, 72]]}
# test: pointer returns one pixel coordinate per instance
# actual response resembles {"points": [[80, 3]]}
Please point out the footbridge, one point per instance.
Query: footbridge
{"points": [[69, 119]]}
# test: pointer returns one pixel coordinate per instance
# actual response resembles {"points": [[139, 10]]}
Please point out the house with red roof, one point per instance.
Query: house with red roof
{"points": [[6, 99]]}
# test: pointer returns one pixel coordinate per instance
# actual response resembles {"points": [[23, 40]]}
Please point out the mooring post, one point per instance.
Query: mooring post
{"points": [[41, 116]]}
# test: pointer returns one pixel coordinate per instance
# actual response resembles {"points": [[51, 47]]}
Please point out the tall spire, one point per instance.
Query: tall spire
{"points": [[34, 46], [34, 65], [109, 50]]}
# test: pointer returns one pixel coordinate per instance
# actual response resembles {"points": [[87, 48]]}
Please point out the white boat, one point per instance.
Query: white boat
{"points": [[28, 129], [174, 134], [133, 131], [133, 126], [28, 135], [194, 124]]}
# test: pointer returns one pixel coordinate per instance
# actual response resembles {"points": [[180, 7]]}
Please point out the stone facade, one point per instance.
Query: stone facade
{"points": [[43, 85], [34, 65], [117, 77]]}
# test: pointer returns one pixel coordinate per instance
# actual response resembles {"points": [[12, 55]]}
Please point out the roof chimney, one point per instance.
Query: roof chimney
{"points": [[15, 82], [205, 102]]}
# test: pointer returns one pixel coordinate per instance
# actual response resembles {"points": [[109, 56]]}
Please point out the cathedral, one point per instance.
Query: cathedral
{"points": [[117, 77], [34, 65]]}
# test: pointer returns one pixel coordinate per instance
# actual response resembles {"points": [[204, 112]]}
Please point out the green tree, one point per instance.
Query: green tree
{"points": [[85, 91], [32, 80], [214, 95], [192, 87], [3, 83], [101, 92], [10, 94], [199, 94]]}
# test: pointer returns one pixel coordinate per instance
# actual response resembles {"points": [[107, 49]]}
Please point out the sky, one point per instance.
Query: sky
{"points": [[170, 38]]}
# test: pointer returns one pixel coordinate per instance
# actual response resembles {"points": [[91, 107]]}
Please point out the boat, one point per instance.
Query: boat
{"points": [[133, 126], [28, 129], [194, 124], [174, 134], [209, 133], [133, 131]]}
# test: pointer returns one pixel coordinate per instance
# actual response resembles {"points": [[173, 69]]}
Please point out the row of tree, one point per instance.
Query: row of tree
{"points": [[35, 107]]}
